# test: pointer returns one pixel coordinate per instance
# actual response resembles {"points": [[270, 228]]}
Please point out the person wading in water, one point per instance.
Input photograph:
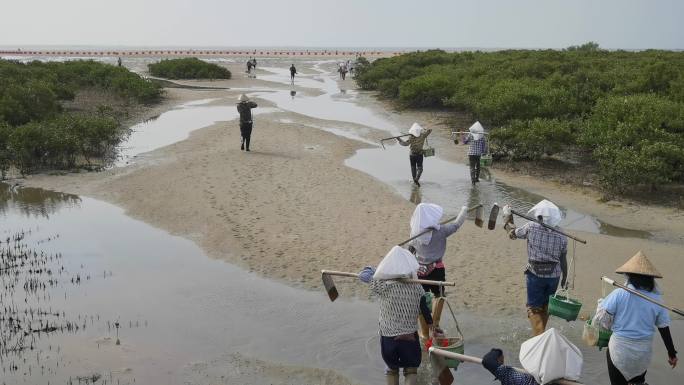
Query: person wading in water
{"points": [[400, 304], [546, 261], [415, 143], [477, 148], [244, 107], [633, 321]]}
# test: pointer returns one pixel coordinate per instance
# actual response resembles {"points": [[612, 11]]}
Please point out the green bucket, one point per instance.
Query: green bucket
{"points": [[564, 307], [485, 160], [454, 345], [604, 336]]}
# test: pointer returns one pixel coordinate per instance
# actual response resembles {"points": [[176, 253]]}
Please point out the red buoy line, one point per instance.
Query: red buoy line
{"points": [[176, 52]]}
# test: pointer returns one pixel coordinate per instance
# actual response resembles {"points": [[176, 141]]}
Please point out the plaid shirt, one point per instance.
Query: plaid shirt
{"points": [[509, 376], [544, 249], [477, 147]]}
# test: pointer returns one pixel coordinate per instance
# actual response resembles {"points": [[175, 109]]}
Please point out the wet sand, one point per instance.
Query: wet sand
{"points": [[290, 207]]}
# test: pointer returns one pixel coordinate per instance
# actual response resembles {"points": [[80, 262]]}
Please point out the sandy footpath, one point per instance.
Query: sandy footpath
{"points": [[290, 208]]}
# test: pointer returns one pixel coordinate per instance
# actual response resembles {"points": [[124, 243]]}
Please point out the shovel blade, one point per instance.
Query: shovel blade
{"points": [[493, 215], [330, 288], [479, 216]]}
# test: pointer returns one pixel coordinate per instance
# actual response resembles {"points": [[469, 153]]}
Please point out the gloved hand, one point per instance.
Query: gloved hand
{"points": [[511, 234], [366, 274], [491, 360]]}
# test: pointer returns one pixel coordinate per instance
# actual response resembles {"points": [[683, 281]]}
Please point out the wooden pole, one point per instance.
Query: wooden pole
{"points": [[441, 223], [404, 280], [647, 298]]}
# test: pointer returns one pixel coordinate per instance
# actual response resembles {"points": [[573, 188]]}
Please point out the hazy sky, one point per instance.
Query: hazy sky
{"points": [[328, 23]]}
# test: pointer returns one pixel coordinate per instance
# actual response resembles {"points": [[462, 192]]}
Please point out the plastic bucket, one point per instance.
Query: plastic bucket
{"points": [[451, 344], [485, 160], [563, 307], [603, 336]]}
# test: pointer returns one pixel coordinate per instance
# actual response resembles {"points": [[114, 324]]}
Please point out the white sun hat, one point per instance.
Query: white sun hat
{"points": [[476, 130], [425, 215], [551, 214], [416, 130], [242, 98], [398, 263]]}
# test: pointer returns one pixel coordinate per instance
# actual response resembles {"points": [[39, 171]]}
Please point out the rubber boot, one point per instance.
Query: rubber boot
{"points": [[545, 315], [392, 376], [410, 376], [247, 143], [419, 172], [242, 143], [535, 315]]}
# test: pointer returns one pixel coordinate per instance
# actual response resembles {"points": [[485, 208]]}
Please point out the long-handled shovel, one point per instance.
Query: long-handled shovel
{"points": [[647, 298], [329, 284], [529, 218], [390, 138], [475, 360], [493, 215], [479, 214]]}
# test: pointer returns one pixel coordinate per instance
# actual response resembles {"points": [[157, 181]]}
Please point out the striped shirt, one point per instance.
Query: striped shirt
{"points": [[476, 147], [545, 248], [400, 304]]}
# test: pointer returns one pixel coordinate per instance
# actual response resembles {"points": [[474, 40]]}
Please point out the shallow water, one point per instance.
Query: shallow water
{"points": [[177, 307], [443, 182], [175, 125]]}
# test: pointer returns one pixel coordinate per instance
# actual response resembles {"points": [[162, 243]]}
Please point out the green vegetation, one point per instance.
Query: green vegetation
{"points": [[35, 130], [189, 68], [623, 110]]}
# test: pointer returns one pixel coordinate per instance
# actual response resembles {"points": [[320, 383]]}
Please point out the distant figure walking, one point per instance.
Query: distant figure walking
{"points": [[478, 147], [343, 71], [249, 66], [416, 141], [293, 72], [254, 63], [118, 61], [244, 107]]}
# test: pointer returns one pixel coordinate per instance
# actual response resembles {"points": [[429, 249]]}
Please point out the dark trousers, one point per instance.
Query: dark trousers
{"points": [[437, 274], [616, 378], [400, 353], [245, 133], [416, 164], [474, 168]]}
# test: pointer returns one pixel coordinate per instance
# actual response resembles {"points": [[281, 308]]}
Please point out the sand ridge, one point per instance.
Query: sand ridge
{"points": [[290, 208]]}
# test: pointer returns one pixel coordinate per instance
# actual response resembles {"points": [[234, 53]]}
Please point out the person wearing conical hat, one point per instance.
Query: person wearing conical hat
{"points": [[477, 147], [634, 321], [416, 141], [546, 261], [244, 107]]}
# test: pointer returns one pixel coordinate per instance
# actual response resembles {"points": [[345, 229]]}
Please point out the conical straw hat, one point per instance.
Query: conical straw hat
{"points": [[639, 264]]}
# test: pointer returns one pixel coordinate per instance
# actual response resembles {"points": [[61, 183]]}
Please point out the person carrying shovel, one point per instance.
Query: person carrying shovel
{"points": [[244, 107], [430, 247], [416, 140], [546, 261], [477, 147], [400, 304]]}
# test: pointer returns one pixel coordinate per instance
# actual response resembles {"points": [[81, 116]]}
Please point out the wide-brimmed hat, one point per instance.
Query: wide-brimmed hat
{"points": [[639, 264], [242, 98]]}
